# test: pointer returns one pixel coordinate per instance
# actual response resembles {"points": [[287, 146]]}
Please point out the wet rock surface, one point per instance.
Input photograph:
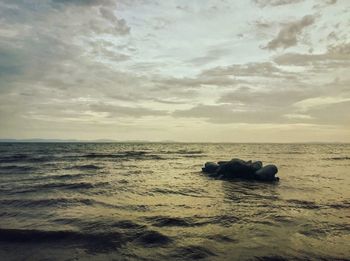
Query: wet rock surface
{"points": [[240, 169]]}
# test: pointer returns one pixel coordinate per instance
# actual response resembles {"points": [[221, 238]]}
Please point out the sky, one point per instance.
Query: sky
{"points": [[193, 71]]}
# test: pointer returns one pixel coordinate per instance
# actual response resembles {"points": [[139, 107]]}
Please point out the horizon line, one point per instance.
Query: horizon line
{"points": [[44, 140]]}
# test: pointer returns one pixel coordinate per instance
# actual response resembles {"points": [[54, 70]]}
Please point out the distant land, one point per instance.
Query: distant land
{"points": [[70, 140], [37, 140]]}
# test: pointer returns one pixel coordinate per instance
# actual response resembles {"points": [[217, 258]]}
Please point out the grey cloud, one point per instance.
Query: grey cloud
{"points": [[335, 54], [337, 113], [264, 3], [228, 114], [262, 69], [120, 25], [275, 104], [228, 77], [85, 2], [203, 60], [211, 55], [275, 97], [120, 111], [261, 25], [57, 65], [11, 62], [45, 41], [287, 36], [195, 82], [167, 101]]}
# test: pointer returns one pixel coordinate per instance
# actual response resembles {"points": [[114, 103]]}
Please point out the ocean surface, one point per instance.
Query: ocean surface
{"points": [[114, 201]]}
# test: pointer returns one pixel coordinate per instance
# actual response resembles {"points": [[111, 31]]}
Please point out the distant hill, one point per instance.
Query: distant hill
{"points": [[75, 140], [53, 140]]}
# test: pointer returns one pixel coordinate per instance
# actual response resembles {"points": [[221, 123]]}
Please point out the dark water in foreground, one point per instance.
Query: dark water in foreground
{"points": [[151, 202]]}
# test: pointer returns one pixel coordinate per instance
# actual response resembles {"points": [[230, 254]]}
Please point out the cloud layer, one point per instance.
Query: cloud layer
{"points": [[269, 70]]}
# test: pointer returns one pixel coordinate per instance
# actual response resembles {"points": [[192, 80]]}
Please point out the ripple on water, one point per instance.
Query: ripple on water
{"points": [[222, 238], [17, 169], [192, 252], [50, 202], [96, 242], [84, 167], [152, 238], [303, 204], [163, 221], [167, 221], [150, 202]]}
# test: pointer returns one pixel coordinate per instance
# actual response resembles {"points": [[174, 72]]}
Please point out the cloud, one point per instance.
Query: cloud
{"points": [[339, 54], [267, 98], [105, 65], [211, 56], [11, 62], [298, 116], [288, 34], [307, 104], [124, 111], [328, 110], [228, 114], [335, 112], [264, 3], [85, 2], [119, 25], [258, 69]]}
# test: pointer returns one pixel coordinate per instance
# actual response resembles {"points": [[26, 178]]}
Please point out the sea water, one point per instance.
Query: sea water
{"points": [[150, 201]]}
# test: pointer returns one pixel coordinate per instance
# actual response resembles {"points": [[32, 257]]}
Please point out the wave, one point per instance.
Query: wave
{"points": [[152, 238], [340, 205], [182, 152], [95, 242], [26, 158], [166, 221], [16, 169], [100, 224], [192, 252], [41, 159], [304, 204], [48, 202], [75, 185], [53, 177], [298, 258], [66, 176], [85, 167], [138, 155], [339, 158], [13, 158], [183, 192], [163, 221], [324, 229], [127, 224], [47, 158], [222, 238]]}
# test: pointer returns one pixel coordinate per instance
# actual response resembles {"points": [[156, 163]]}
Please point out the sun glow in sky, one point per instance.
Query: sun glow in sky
{"points": [[224, 71]]}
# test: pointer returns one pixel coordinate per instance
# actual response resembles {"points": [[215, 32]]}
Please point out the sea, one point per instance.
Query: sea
{"points": [[150, 201]]}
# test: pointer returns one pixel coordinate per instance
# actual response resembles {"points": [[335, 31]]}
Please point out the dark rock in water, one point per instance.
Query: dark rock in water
{"points": [[237, 168], [257, 165], [210, 167], [267, 173]]}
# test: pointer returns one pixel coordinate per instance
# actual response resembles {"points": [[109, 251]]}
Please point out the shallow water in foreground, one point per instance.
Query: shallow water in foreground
{"points": [[151, 202]]}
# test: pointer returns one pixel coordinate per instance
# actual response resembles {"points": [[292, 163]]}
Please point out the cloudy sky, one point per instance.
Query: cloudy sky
{"points": [[199, 70]]}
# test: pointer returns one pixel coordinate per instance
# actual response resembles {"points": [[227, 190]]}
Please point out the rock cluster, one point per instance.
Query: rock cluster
{"points": [[237, 168]]}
